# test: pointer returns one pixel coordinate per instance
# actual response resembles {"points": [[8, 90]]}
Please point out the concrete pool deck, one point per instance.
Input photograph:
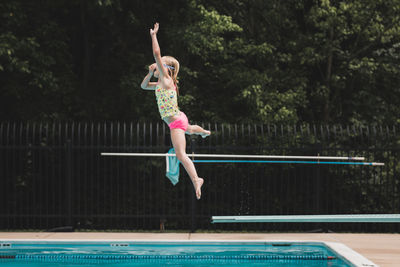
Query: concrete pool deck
{"points": [[382, 249]]}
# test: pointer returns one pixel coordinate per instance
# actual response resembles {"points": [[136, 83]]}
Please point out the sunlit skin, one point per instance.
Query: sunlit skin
{"points": [[160, 71]]}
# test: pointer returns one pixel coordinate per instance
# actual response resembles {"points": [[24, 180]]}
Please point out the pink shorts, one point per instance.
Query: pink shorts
{"points": [[180, 123]]}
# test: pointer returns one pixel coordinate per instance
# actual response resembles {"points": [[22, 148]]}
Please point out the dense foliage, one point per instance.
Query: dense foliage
{"points": [[242, 60]]}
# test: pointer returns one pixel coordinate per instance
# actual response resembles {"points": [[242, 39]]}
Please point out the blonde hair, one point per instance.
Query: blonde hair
{"points": [[173, 73]]}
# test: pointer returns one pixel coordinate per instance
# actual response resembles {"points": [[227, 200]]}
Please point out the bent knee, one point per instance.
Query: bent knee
{"points": [[189, 129], [181, 155]]}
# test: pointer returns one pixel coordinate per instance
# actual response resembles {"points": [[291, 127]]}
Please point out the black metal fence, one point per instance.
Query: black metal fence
{"points": [[52, 175]]}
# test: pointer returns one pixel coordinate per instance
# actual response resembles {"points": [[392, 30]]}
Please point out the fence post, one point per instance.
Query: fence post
{"points": [[68, 183], [193, 196], [318, 188]]}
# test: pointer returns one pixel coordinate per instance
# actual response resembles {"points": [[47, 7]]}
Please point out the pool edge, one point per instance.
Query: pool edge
{"points": [[345, 252]]}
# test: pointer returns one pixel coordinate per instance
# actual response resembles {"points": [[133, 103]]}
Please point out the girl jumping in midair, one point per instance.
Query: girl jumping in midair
{"points": [[166, 70]]}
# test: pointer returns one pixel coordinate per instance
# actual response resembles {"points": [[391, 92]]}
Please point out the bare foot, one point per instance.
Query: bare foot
{"points": [[205, 134], [199, 184]]}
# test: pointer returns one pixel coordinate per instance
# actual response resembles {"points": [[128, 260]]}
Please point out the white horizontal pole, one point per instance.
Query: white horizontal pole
{"points": [[379, 218], [230, 156]]}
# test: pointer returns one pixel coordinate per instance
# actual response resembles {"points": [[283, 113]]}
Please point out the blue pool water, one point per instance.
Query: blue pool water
{"points": [[83, 253]]}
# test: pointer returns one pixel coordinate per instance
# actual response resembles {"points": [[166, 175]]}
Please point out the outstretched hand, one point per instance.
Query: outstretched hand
{"points": [[155, 30]]}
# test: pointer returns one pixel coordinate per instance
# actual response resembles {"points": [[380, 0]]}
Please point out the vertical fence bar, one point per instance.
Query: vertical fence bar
{"points": [[68, 184], [151, 176], [16, 209], [9, 159], [59, 174], [123, 199], [39, 178], [33, 179], [101, 143], [144, 184], [137, 175], [192, 197], [130, 175], [12, 186], [116, 179], [109, 201], [78, 178], [91, 173], [4, 219]]}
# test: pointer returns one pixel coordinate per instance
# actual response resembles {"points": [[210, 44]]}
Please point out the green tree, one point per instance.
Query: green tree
{"points": [[344, 47], [242, 60], [35, 72], [232, 70], [319, 61]]}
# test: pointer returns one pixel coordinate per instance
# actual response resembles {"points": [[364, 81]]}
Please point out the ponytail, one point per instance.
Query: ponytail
{"points": [[173, 71], [174, 77]]}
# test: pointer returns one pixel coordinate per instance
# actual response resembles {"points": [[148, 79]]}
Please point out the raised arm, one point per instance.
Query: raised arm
{"points": [[157, 52]]}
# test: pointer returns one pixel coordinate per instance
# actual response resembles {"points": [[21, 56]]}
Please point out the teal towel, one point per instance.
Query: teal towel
{"points": [[172, 171]]}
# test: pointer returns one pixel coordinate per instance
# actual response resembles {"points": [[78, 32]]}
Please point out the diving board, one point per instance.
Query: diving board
{"points": [[351, 218], [293, 162]]}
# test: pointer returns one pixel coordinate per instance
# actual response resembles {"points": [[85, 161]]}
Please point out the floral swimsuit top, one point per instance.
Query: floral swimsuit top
{"points": [[167, 102]]}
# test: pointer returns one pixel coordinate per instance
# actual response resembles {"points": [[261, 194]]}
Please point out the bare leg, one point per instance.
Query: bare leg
{"points": [[196, 129], [179, 142]]}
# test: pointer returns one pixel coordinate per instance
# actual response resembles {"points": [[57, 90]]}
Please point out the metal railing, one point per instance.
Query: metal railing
{"points": [[52, 175]]}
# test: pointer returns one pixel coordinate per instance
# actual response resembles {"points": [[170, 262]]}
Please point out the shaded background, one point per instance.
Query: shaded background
{"points": [[266, 77], [242, 60]]}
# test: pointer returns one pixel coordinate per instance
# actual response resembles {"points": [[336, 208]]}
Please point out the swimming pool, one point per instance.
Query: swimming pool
{"points": [[176, 253]]}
